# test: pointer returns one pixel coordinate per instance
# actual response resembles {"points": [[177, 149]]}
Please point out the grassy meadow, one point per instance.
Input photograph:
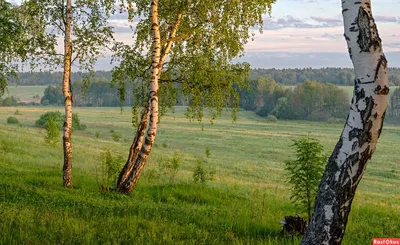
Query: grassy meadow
{"points": [[242, 205]]}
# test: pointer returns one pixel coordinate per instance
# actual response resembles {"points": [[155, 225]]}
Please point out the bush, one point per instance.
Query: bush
{"points": [[45, 102], [304, 173], [110, 167], [263, 111], [12, 120], [52, 132], [116, 136], [17, 112], [55, 115], [76, 122], [271, 118], [201, 175], [170, 167], [59, 120]]}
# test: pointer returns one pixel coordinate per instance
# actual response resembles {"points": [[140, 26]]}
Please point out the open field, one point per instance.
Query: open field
{"points": [[243, 205], [26, 93]]}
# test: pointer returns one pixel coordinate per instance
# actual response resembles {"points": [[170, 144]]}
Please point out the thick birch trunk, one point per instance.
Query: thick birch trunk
{"points": [[363, 127], [67, 147], [128, 180], [139, 152]]}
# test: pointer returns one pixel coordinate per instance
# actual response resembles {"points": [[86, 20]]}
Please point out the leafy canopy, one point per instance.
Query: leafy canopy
{"points": [[13, 41], [209, 34]]}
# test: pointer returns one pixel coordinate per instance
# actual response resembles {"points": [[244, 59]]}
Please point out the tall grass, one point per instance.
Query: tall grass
{"points": [[242, 205]]}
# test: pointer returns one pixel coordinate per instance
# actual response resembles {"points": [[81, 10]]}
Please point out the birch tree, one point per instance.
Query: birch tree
{"points": [[363, 127], [182, 45], [82, 24], [13, 43]]}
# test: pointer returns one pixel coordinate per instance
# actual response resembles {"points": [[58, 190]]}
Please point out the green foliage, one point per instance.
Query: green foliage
{"points": [[9, 101], [110, 167], [52, 136], [17, 112], [170, 166], [208, 151], [53, 95], [271, 118], [59, 120], [116, 136], [304, 173], [226, 211], [76, 122], [13, 41], [6, 146], [97, 134], [55, 115], [12, 120], [394, 106], [90, 31], [201, 174], [199, 67]]}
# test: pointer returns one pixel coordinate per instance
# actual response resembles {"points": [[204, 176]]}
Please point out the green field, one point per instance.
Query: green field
{"points": [[243, 205]]}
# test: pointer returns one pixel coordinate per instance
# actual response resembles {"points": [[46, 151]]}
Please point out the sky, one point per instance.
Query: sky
{"points": [[304, 33], [299, 34]]}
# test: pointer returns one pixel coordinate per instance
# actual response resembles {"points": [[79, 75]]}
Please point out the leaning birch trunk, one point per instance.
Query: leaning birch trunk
{"points": [[363, 127], [67, 146], [128, 181]]}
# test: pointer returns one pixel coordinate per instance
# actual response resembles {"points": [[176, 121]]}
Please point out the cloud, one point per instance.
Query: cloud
{"points": [[385, 19], [327, 21], [393, 45]]}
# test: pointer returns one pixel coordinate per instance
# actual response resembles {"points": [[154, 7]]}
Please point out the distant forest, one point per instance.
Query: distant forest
{"points": [[337, 76], [312, 94]]}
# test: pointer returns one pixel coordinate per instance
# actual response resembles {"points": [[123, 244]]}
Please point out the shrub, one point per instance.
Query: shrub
{"points": [[55, 115], [116, 136], [76, 122], [52, 132], [110, 167], [171, 166], [271, 118], [201, 175], [59, 119], [208, 151], [304, 173], [17, 112], [12, 120], [97, 134]]}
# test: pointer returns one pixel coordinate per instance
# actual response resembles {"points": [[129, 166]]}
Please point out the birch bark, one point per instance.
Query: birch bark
{"points": [[131, 172], [363, 127], [67, 90]]}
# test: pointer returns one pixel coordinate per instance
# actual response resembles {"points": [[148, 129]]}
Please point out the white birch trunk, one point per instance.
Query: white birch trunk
{"points": [[67, 146], [363, 127], [129, 180]]}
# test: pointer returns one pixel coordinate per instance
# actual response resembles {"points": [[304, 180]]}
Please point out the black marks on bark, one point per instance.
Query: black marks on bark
{"points": [[380, 128], [382, 62], [359, 94], [382, 91], [368, 34], [346, 37], [344, 10]]}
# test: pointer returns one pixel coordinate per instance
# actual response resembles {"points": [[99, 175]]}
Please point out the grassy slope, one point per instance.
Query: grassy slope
{"points": [[26, 93], [243, 205]]}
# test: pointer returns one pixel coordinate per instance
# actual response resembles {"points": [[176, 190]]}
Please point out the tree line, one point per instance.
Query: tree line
{"points": [[337, 76]]}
